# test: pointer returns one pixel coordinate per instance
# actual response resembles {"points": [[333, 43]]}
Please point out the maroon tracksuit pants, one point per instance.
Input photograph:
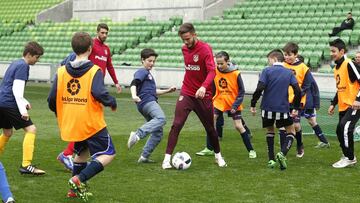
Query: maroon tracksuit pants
{"points": [[205, 112]]}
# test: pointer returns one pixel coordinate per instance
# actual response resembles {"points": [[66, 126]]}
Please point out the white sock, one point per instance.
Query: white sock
{"points": [[167, 158], [218, 155]]}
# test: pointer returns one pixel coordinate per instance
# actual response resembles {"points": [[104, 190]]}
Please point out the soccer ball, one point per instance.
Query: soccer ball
{"points": [[181, 160]]}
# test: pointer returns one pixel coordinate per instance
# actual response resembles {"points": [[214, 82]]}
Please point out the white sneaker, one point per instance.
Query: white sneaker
{"points": [[221, 162], [145, 160], [344, 162], [133, 139], [10, 200], [166, 165], [252, 154]]}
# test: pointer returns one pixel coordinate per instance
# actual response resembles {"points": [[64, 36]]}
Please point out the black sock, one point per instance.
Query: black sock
{"points": [[91, 170], [270, 145], [288, 142], [219, 130], [248, 131], [319, 134], [246, 139], [298, 137], [78, 167], [219, 125], [208, 142], [282, 135], [246, 128]]}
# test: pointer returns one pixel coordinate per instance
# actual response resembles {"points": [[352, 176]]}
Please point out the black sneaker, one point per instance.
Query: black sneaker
{"points": [[31, 169]]}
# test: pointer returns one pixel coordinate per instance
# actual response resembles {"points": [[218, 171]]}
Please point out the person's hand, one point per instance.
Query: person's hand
{"points": [[355, 105], [25, 116], [172, 89], [331, 110], [232, 111], [28, 107], [294, 113], [118, 88], [253, 110], [136, 99], [200, 93]]}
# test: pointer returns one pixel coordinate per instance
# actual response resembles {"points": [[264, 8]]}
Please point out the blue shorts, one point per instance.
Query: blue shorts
{"points": [[307, 113], [98, 144]]}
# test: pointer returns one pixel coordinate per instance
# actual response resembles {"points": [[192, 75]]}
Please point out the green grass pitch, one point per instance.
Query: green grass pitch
{"points": [[309, 179]]}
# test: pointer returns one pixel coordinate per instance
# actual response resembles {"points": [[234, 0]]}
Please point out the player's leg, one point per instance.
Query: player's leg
{"points": [[204, 111], [102, 152], [282, 135], [346, 132], [310, 115], [219, 125], [298, 136], [286, 122], [28, 152], [14, 119], [153, 140], [6, 126], [270, 134], [4, 138], [339, 135], [209, 149], [150, 146], [69, 150], [5, 192], [155, 117], [81, 152], [246, 127], [243, 133], [184, 106]]}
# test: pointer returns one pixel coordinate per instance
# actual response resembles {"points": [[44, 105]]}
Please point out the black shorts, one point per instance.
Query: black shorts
{"points": [[280, 119], [98, 144], [234, 116], [11, 117]]}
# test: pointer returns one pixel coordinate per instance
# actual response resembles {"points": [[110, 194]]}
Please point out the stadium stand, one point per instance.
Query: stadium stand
{"points": [[56, 37], [26, 10], [247, 31], [251, 28]]}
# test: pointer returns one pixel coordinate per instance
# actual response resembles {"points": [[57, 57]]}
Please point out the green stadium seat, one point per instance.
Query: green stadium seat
{"points": [[354, 38]]}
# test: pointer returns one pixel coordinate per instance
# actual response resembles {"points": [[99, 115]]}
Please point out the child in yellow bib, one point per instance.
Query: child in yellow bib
{"points": [[228, 97], [347, 76], [77, 97]]}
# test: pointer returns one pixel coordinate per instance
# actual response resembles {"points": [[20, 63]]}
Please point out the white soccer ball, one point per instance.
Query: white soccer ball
{"points": [[181, 160]]}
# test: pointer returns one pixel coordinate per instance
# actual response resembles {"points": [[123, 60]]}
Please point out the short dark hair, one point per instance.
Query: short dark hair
{"points": [[223, 54], [33, 48], [338, 43], [103, 26], [276, 53], [185, 28], [291, 47], [80, 43], [146, 53]]}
